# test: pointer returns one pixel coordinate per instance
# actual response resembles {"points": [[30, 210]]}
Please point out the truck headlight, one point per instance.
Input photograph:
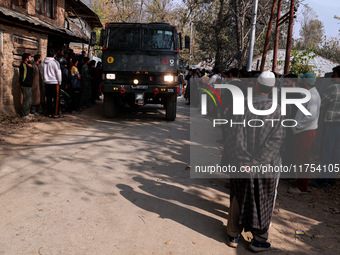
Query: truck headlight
{"points": [[110, 76], [168, 78]]}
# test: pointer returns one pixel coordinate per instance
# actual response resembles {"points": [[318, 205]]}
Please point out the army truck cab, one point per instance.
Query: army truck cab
{"points": [[140, 63]]}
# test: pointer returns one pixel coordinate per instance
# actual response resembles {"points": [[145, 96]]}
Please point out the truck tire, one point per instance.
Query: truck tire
{"points": [[170, 108], [110, 105]]}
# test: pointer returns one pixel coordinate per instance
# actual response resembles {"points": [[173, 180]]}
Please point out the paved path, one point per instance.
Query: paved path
{"points": [[121, 187], [114, 187]]}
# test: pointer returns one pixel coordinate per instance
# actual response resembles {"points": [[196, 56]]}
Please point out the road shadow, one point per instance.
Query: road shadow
{"points": [[203, 224], [150, 148]]}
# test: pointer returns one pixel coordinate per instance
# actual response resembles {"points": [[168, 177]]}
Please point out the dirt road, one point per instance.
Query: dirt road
{"points": [[88, 185]]}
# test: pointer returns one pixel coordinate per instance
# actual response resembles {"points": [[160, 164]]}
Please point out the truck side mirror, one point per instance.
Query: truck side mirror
{"points": [[102, 35], [187, 42], [180, 41], [93, 39]]}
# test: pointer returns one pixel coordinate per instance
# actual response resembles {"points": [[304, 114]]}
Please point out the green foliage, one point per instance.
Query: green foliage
{"points": [[330, 49], [299, 61], [97, 47], [338, 18]]}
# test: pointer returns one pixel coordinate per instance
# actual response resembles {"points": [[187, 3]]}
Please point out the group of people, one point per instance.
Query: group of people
{"points": [[209, 77], [252, 198], [41, 81]]}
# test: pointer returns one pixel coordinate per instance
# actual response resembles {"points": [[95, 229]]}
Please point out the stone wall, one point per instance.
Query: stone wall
{"points": [[60, 13], [14, 45], [18, 39], [10, 101], [15, 4], [28, 6]]}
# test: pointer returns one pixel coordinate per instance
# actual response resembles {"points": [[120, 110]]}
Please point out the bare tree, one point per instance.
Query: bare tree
{"points": [[159, 10], [119, 10], [312, 29]]}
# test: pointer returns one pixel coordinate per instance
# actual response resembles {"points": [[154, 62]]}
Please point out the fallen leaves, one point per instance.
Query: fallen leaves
{"points": [[168, 242], [300, 232], [309, 235]]}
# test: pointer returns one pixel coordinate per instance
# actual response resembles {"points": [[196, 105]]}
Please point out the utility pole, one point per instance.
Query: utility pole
{"points": [[290, 36], [252, 37], [190, 44], [277, 36], [266, 44], [289, 16], [140, 12]]}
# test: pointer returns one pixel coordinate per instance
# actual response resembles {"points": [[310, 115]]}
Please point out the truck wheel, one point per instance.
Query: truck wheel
{"points": [[170, 108], [110, 105]]}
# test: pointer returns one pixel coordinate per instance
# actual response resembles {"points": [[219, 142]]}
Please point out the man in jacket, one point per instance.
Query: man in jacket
{"points": [[36, 94], [305, 130], [330, 103], [51, 73], [26, 80], [252, 197]]}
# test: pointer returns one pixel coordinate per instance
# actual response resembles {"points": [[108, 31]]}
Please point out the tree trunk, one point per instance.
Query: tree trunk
{"points": [[219, 45], [238, 24]]}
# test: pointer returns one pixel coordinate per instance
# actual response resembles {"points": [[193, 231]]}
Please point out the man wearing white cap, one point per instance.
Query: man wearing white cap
{"points": [[252, 198]]}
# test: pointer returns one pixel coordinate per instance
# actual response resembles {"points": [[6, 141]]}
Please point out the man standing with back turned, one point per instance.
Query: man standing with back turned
{"points": [[252, 196], [52, 79]]}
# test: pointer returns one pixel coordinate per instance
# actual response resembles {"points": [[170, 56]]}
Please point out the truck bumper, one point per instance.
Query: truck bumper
{"points": [[146, 89]]}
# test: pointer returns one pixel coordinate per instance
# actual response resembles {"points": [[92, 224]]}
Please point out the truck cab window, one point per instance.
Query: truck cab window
{"points": [[161, 39], [127, 38]]}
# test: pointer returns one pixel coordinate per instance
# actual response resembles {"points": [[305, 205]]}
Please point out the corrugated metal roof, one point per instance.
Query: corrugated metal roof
{"points": [[36, 22], [95, 17], [76, 29]]}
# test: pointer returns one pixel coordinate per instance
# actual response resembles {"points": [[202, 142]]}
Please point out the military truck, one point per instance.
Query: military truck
{"points": [[140, 63]]}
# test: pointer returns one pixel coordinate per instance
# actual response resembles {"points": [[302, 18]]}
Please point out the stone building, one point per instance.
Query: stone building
{"points": [[34, 26]]}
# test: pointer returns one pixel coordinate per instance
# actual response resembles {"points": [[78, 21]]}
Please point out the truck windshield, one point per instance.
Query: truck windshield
{"points": [[123, 38], [160, 39], [128, 38]]}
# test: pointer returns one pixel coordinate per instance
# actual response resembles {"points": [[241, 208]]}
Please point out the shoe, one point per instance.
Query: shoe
{"points": [[294, 191], [36, 114], [259, 246], [233, 241], [27, 117], [57, 116], [31, 115]]}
